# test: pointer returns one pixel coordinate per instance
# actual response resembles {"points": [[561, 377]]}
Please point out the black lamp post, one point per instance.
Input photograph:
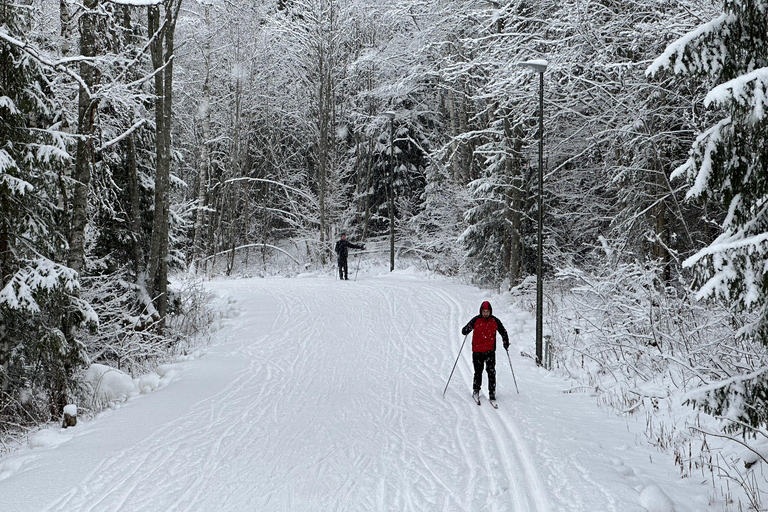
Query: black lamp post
{"points": [[391, 116], [539, 66]]}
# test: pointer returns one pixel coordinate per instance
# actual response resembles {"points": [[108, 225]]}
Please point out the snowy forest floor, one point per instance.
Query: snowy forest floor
{"points": [[320, 394]]}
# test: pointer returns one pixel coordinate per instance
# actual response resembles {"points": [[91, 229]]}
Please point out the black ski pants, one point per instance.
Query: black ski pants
{"points": [[343, 269], [487, 360]]}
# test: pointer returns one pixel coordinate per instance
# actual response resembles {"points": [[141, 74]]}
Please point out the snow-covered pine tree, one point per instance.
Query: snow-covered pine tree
{"points": [[728, 164], [38, 296], [493, 114], [488, 226]]}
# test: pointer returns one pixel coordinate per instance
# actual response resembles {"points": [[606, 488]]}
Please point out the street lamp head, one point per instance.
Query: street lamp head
{"points": [[538, 65]]}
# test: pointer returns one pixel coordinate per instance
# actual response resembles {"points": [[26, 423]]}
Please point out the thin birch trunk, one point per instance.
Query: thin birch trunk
{"points": [[204, 170], [85, 123], [161, 50]]}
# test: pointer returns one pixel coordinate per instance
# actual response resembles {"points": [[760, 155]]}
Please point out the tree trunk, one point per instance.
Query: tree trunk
{"points": [[203, 173], [661, 245], [156, 52], [81, 176], [161, 50], [85, 122], [514, 197], [135, 214], [322, 146], [5, 270], [6, 255], [134, 188], [453, 117], [65, 20]]}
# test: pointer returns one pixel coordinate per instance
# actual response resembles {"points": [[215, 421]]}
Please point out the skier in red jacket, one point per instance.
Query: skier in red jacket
{"points": [[485, 326]]}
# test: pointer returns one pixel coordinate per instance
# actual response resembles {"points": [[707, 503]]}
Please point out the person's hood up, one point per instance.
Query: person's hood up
{"points": [[486, 305]]}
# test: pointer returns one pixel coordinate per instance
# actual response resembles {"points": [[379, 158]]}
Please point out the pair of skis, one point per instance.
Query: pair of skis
{"points": [[492, 402]]}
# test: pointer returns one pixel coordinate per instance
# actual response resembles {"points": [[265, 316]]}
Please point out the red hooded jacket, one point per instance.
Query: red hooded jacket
{"points": [[484, 336]]}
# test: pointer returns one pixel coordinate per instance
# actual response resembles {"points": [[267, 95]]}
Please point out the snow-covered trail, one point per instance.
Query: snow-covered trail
{"points": [[341, 403], [326, 395]]}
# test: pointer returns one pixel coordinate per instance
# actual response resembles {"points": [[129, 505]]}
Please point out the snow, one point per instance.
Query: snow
{"points": [[713, 136], [7, 103], [746, 90], [137, 3], [539, 65], [15, 185], [109, 384], [677, 48], [654, 500], [46, 438], [38, 276], [320, 394]]}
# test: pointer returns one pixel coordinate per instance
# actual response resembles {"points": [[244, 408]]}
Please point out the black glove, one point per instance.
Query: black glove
{"points": [[506, 345]]}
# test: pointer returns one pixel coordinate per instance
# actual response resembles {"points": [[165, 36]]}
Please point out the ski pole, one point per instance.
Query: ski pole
{"points": [[365, 231], [358, 266], [513, 370], [454, 364]]}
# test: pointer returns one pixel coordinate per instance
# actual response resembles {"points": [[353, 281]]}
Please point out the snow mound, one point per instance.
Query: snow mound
{"points": [[9, 467], [71, 409], [49, 437], [410, 271], [654, 500], [148, 383], [109, 384], [622, 469], [167, 371], [197, 354]]}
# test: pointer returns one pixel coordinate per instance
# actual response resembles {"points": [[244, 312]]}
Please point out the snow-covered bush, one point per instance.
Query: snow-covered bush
{"points": [[39, 308], [128, 338], [646, 347], [107, 384], [191, 314]]}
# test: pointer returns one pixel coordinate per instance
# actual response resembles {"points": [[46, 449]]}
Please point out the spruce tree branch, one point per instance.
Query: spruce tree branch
{"points": [[56, 65]]}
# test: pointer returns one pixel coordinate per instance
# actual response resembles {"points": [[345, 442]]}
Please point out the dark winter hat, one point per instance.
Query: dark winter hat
{"points": [[343, 234], [486, 305]]}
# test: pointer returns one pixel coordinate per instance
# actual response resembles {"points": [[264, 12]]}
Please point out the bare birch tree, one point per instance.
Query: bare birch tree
{"points": [[162, 26]]}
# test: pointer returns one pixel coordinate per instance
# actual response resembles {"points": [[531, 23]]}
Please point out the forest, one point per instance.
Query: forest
{"points": [[146, 143]]}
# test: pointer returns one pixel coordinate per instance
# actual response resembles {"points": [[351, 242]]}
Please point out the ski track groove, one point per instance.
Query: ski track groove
{"points": [[458, 407], [269, 432], [494, 418]]}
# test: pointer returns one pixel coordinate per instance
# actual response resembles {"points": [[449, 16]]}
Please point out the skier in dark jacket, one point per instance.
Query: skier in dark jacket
{"points": [[485, 326], [342, 249]]}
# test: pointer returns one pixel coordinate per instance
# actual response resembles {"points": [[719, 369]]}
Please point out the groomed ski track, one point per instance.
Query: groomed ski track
{"points": [[322, 395], [349, 379]]}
